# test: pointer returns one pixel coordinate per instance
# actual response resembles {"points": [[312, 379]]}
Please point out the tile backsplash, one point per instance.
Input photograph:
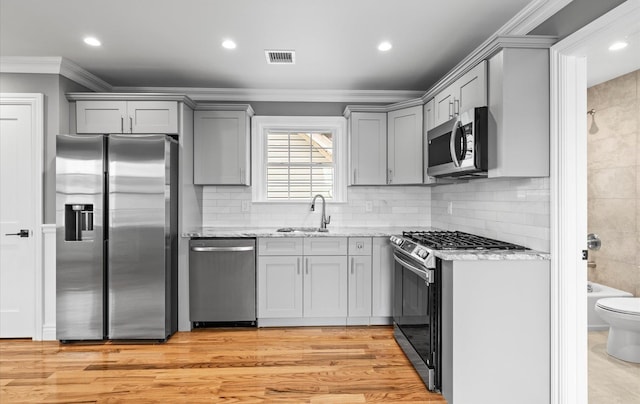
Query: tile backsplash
{"points": [[513, 210], [224, 206]]}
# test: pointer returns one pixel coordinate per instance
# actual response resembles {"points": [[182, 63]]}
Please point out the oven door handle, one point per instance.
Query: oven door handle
{"points": [[424, 274]]}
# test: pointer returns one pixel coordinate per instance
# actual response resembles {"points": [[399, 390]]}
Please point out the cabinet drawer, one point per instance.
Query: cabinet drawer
{"points": [[325, 246], [280, 246], [359, 245]]}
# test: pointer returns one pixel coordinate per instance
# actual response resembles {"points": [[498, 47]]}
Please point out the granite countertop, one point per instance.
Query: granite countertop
{"points": [[448, 255], [495, 255], [272, 232]]}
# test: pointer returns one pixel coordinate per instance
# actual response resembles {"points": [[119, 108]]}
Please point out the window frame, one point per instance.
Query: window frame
{"points": [[261, 125]]}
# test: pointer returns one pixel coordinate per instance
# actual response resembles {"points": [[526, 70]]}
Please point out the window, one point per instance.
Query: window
{"points": [[296, 158]]}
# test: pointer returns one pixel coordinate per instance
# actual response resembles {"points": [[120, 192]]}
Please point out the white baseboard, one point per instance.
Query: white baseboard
{"points": [[49, 332], [48, 316]]}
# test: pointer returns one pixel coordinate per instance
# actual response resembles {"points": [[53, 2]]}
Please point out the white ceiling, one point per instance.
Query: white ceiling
{"points": [[170, 43], [603, 64]]}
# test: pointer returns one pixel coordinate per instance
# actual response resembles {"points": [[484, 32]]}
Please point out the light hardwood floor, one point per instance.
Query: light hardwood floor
{"points": [[283, 365]]}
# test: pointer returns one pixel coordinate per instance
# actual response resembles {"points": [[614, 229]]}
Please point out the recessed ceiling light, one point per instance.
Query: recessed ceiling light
{"points": [[384, 46], [618, 45], [228, 44], [92, 41]]}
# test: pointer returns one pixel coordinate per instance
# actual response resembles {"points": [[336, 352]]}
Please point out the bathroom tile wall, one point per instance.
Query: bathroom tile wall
{"points": [[404, 206], [613, 147], [513, 210]]}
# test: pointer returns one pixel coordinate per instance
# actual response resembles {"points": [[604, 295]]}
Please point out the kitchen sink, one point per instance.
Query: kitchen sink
{"points": [[301, 230]]}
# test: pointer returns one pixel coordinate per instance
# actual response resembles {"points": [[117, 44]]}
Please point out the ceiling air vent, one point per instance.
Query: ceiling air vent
{"points": [[280, 57]]}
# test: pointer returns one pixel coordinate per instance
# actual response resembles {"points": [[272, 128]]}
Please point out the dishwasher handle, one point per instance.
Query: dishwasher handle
{"points": [[221, 249]]}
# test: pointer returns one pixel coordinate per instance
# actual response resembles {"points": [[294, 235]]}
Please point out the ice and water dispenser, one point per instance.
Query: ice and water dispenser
{"points": [[78, 222]]}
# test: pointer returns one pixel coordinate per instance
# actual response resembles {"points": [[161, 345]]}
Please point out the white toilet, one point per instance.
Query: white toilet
{"points": [[623, 316]]}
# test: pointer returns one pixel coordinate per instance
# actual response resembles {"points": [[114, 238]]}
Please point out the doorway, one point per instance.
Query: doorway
{"points": [[21, 162], [570, 68]]}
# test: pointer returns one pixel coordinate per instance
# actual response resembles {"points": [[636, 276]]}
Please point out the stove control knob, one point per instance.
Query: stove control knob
{"points": [[396, 240], [422, 253]]}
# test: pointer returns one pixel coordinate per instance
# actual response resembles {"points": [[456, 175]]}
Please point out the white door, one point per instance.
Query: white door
{"points": [[17, 204]]}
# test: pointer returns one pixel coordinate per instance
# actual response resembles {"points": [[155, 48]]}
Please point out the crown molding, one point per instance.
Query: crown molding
{"points": [[76, 73], [53, 65], [485, 51], [204, 106], [532, 15], [349, 109], [512, 34], [79, 96], [293, 95]]}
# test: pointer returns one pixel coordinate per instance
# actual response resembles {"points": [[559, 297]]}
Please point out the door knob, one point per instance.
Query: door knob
{"points": [[21, 233]]}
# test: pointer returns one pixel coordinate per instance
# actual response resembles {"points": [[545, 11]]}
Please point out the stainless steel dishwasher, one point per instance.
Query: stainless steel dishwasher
{"points": [[222, 282]]}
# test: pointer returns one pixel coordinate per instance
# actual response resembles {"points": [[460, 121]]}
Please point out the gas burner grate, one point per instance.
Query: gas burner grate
{"points": [[457, 240]]}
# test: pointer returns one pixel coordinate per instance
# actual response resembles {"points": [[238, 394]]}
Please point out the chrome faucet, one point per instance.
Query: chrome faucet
{"points": [[324, 221]]}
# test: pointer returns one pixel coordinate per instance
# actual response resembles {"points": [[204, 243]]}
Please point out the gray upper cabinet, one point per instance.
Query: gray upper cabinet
{"points": [[222, 146], [467, 92], [519, 113], [122, 116], [429, 123], [368, 148], [405, 146]]}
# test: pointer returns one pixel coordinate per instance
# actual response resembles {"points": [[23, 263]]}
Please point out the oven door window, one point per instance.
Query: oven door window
{"points": [[412, 312]]}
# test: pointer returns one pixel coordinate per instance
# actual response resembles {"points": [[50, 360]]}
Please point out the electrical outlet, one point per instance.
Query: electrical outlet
{"points": [[450, 208], [368, 206], [246, 206]]}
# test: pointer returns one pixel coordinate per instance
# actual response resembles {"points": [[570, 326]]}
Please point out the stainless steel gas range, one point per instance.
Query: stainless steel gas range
{"points": [[418, 294]]}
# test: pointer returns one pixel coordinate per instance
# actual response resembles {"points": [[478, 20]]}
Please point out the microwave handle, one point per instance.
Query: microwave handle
{"points": [[452, 144]]}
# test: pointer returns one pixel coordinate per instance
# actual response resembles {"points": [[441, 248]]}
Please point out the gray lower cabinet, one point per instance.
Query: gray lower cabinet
{"points": [[325, 286], [382, 281], [279, 287], [301, 289], [359, 280], [322, 281]]}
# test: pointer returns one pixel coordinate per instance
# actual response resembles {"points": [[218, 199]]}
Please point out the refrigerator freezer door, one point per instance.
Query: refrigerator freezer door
{"points": [[79, 240], [140, 237]]}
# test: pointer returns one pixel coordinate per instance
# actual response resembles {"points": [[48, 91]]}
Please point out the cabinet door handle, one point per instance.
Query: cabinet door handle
{"points": [[354, 175], [306, 265], [450, 109], [456, 107], [121, 124], [221, 249], [298, 265], [130, 124], [352, 265], [390, 176]]}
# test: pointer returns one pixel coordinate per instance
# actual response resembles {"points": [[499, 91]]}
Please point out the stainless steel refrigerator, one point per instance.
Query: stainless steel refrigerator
{"points": [[116, 219]]}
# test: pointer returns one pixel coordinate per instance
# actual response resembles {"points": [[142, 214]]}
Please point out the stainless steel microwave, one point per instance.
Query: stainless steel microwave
{"points": [[458, 147]]}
